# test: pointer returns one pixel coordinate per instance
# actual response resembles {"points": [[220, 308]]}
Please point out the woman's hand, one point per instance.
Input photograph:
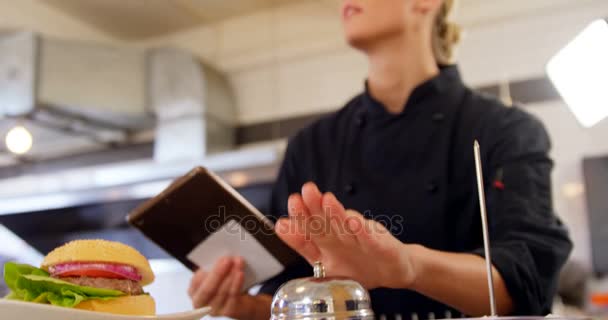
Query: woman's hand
{"points": [[320, 229], [220, 288]]}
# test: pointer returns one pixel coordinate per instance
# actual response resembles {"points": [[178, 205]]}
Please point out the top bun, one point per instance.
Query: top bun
{"points": [[100, 251]]}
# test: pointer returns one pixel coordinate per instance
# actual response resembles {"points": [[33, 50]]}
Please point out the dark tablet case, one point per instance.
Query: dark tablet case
{"points": [[178, 219]]}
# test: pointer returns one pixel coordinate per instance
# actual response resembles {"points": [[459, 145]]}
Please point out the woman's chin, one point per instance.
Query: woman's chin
{"points": [[360, 42], [362, 36]]}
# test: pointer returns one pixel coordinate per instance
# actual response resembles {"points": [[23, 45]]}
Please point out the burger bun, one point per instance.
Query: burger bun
{"points": [[142, 305]]}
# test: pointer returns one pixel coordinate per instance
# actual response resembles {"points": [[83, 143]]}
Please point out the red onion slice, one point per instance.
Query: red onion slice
{"points": [[120, 270]]}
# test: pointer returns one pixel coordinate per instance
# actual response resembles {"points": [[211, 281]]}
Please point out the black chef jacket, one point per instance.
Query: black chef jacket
{"points": [[417, 169]]}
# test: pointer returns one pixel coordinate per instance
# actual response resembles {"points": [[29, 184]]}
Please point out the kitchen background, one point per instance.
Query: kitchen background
{"points": [[115, 82]]}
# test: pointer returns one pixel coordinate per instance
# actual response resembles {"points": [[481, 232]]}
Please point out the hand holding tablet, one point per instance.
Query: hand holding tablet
{"points": [[199, 218]]}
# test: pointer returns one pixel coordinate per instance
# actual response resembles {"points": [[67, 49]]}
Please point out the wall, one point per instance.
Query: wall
{"points": [[519, 47], [282, 62], [292, 60], [571, 143]]}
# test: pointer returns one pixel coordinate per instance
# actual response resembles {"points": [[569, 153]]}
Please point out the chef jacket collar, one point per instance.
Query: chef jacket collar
{"points": [[448, 76]]}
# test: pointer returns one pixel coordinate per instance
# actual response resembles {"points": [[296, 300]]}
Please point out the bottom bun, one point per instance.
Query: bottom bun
{"points": [[142, 305]]}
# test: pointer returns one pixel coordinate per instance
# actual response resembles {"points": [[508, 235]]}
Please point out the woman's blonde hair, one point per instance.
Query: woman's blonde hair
{"points": [[446, 35]]}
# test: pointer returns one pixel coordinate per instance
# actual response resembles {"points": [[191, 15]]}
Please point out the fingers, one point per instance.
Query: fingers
{"points": [[319, 222], [296, 207], [286, 229], [337, 215], [213, 280], [345, 224], [378, 230], [233, 304], [312, 198], [331, 203], [225, 298], [302, 222], [295, 230], [196, 281], [238, 277], [367, 232], [222, 294], [298, 215], [357, 225]]}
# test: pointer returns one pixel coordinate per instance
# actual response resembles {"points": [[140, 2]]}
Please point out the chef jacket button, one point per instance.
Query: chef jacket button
{"points": [[349, 188], [360, 120], [438, 117], [432, 187]]}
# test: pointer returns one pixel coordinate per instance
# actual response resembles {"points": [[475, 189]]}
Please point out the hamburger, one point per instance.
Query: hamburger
{"points": [[94, 275]]}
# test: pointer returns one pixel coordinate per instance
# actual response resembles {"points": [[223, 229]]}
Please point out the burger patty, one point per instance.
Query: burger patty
{"points": [[129, 287]]}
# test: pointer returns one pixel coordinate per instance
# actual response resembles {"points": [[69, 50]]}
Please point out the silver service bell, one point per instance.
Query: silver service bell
{"points": [[318, 297]]}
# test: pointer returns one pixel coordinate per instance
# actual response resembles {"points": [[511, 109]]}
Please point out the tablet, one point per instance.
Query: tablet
{"points": [[200, 218]]}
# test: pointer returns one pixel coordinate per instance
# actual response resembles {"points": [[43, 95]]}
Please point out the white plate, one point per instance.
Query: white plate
{"points": [[13, 310], [548, 317]]}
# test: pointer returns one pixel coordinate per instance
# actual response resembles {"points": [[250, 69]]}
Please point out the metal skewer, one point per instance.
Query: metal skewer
{"points": [[484, 226]]}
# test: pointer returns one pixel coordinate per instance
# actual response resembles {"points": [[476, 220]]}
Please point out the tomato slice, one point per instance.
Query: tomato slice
{"points": [[92, 273], [95, 270]]}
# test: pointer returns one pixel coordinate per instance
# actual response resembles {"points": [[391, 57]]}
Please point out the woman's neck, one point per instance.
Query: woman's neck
{"points": [[396, 68]]}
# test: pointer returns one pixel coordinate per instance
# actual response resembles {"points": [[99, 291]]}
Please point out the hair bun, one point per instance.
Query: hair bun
{"points": [[446, 35], [453, 33]]}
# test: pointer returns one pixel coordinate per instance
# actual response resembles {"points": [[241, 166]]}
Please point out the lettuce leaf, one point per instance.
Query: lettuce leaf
{"points": [[12, 271], [28, 283]]}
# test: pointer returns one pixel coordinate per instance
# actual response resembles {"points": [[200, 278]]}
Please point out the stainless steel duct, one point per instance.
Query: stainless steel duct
{"points": [[120, 92], [96, 82], [116, 91], [194, 106]]}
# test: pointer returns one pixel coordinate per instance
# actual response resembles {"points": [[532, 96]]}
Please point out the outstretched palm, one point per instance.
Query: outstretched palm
{"points": [[320, 229]]}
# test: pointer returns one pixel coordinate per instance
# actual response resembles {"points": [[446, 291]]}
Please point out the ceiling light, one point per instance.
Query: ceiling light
{"points": [[19, 140], [580, 74]]}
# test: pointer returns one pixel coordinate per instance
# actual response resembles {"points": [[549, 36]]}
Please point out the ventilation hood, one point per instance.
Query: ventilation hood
{"points": [[118, 95], [112, 93], [94, 82]]}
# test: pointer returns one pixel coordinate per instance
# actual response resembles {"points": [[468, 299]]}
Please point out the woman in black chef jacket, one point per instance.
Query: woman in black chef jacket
{"points": [[401, 153]]}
